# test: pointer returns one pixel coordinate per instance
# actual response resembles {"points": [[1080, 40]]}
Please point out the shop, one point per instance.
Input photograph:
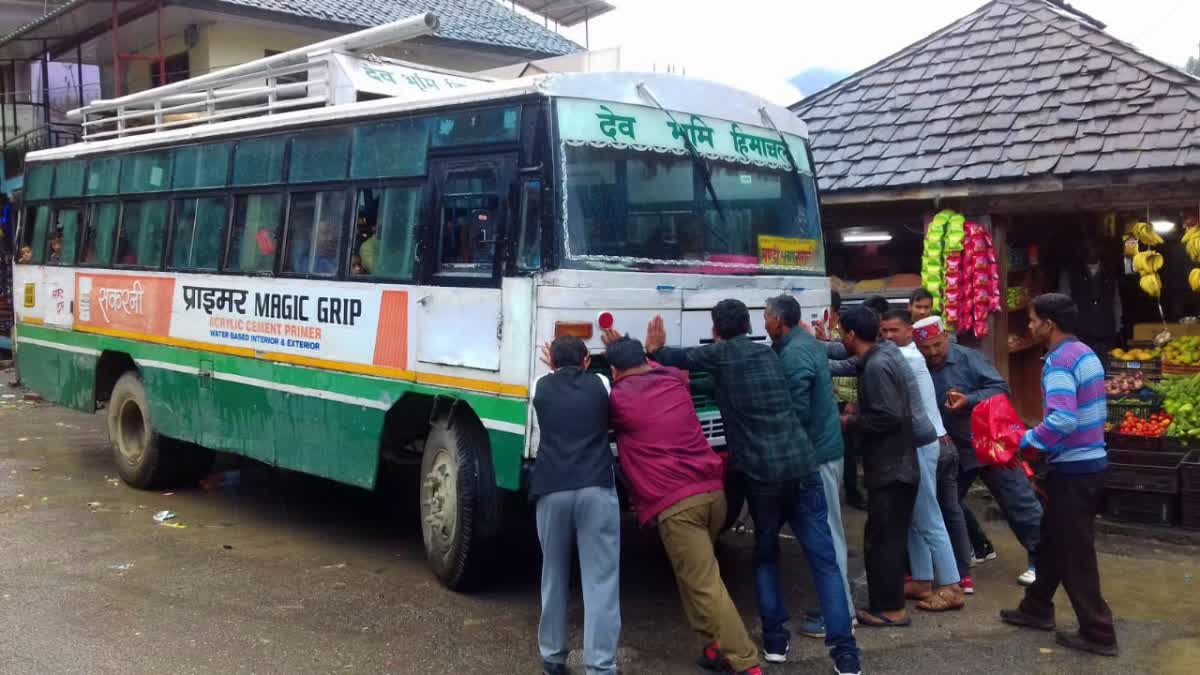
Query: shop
{"points": [[1028, 120]]}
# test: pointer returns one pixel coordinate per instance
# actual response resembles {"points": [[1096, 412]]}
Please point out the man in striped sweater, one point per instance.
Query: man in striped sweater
{"points": [[1072, 438]]}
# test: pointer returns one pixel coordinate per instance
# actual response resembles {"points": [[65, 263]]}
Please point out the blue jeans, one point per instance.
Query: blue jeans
{"points": [[1016, 498], [800, 504], [930, 553]]}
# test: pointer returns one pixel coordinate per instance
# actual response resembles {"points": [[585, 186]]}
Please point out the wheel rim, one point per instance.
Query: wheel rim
{"points": [[131, 432], [439, 503]]}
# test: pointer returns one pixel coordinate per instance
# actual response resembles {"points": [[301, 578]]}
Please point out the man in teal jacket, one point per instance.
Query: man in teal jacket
{"points": [[806, 366]]}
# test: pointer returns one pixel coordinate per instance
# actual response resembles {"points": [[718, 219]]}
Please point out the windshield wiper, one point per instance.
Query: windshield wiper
{"points": [[787, 150], [699, 162]]}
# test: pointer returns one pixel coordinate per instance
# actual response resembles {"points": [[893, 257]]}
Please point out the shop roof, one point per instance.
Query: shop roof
{"points": [[481, 22], [1018, 89]]}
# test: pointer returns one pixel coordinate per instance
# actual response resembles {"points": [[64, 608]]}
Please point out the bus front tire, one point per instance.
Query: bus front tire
{"points": [[146, 459], [461, 506]]}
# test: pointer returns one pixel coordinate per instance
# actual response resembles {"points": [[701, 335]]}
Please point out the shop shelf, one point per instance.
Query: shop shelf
{"points": [[1189, 473], [1143, 471], [1116, 441], [1190, 510], [1142, 507]]}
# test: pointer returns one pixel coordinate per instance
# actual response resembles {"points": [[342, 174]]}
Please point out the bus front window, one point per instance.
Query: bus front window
{"points": [[651, 211]]}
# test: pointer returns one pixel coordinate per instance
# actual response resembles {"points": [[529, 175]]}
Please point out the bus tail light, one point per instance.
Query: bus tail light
{"points": [[579, 329]]}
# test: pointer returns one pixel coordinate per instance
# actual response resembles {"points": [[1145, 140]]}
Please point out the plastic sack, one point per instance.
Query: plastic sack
{"points": [[996, 431]]}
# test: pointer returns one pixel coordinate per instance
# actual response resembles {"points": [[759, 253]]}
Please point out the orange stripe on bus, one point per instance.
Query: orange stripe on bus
{"points": [[391, 335], [485, 386]]}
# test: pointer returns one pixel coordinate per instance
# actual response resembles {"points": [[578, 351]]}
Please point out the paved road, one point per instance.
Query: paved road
{"points": [[281, 573]]}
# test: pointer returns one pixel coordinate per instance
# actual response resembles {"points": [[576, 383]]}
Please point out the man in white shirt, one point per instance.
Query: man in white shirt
{"points": [[930, 551]]}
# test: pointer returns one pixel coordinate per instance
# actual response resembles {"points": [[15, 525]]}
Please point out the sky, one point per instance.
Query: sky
{"points": [[759, 45]]}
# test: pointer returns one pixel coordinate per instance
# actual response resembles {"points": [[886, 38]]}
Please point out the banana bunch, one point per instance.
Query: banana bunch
{"points": [[1145, 234], [1151, 284], [1194, 278], [1191, 241], [1147, 262]]}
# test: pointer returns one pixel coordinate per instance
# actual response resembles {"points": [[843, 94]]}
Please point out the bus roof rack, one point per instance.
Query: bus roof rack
{"points": [[334, 71]]}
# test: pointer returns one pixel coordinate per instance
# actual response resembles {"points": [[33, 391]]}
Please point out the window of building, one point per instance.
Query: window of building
{"points": [[64, 238], [140, 238], [102, 176], [259, 161], [100, 233], [202, 166], [319, 156], [253, 240], [178, 67], [385, 236], [316, 221], [33, 235], [198, 234], [69, 178], [390, 149], [38, 178], [146, 172]]}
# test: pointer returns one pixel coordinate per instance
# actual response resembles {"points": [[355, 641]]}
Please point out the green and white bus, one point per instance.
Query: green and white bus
{"points": [[366, 278]]}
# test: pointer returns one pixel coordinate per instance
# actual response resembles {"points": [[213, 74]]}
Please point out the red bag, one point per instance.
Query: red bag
{"points": [[996, 431]]}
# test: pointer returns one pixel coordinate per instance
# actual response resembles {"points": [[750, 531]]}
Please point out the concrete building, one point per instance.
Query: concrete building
{"points": [[87, 49]]}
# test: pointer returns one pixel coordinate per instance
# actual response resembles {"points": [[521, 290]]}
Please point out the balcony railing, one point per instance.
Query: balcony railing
{"points": [[51, 135]]}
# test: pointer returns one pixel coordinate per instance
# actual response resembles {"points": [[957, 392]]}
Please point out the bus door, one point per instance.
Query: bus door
{"points": [[461, 312]]}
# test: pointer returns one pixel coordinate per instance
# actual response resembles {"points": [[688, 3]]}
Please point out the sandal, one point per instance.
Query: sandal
{"points": [[870, 620], [944, 599], [918, 590]]}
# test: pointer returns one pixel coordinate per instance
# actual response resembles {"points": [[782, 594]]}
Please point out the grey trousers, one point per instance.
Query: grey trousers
{"points": [[591, 519], [831, 478]]}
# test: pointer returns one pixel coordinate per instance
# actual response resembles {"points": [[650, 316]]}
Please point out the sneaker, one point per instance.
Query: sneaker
{"points": [[812, 627], [1027, 577], [968, 586], [776, 653], [710, 658], [549, 668], [1077, 641], [847, 664], [985, 554]]}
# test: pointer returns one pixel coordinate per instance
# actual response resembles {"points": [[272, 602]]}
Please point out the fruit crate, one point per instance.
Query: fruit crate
{"points": [[1189, 473], [1152, 508], [1176, 369], [1152, 368], [1143, 408], [1190, 510], [1143, 471], [1180, 444], [1116, 441]]}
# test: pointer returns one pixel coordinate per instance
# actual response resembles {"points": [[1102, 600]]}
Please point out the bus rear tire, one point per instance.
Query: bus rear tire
{"points": [[461, 506], [146, 459]]}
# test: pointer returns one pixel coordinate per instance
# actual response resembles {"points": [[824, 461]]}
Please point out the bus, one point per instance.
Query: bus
{"points": [[347, 284]]}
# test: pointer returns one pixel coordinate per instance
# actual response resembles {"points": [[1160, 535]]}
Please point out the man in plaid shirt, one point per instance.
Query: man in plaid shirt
{"points": [[772, 456]]}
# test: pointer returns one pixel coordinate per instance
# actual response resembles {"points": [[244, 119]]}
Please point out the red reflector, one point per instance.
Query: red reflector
{"points": [[579, 329], [605, 320]]}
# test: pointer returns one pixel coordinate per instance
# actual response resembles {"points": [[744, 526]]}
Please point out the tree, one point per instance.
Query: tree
{"points": [[1193, 66]]}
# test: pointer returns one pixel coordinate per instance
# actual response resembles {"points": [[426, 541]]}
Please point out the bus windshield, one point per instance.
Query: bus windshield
{"points": [[650, 190]]}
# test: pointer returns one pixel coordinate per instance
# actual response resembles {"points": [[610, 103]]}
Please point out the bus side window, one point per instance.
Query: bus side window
{"points": [[385, 232], [254, 235], [140, 237], [314, 233], [529, 246], [65, 238], [198, 234], [33, 235], [470, 221], [100, 233]]}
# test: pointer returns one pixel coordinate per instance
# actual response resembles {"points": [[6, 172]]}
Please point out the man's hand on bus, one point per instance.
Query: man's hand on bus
{"points": [[656, 335], [609, 336], [546, 356]]}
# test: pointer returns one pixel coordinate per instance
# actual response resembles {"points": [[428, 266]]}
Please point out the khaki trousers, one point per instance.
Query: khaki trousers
{"points": [[688, 530]]}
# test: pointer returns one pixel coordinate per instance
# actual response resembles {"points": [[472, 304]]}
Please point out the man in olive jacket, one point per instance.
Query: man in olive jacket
{"points": [[806, 367]]}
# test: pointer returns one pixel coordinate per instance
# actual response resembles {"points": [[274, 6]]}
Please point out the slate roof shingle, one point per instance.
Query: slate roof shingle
{"points": [[478, 21], [1016, 89]]}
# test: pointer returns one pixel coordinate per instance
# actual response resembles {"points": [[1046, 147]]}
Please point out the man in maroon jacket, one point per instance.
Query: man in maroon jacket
{"points": [[675, 478]]}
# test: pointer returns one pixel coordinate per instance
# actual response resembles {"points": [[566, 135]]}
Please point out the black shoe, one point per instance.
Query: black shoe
{"points": [[1018, 618], [554, 668], [1077, 641]]}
